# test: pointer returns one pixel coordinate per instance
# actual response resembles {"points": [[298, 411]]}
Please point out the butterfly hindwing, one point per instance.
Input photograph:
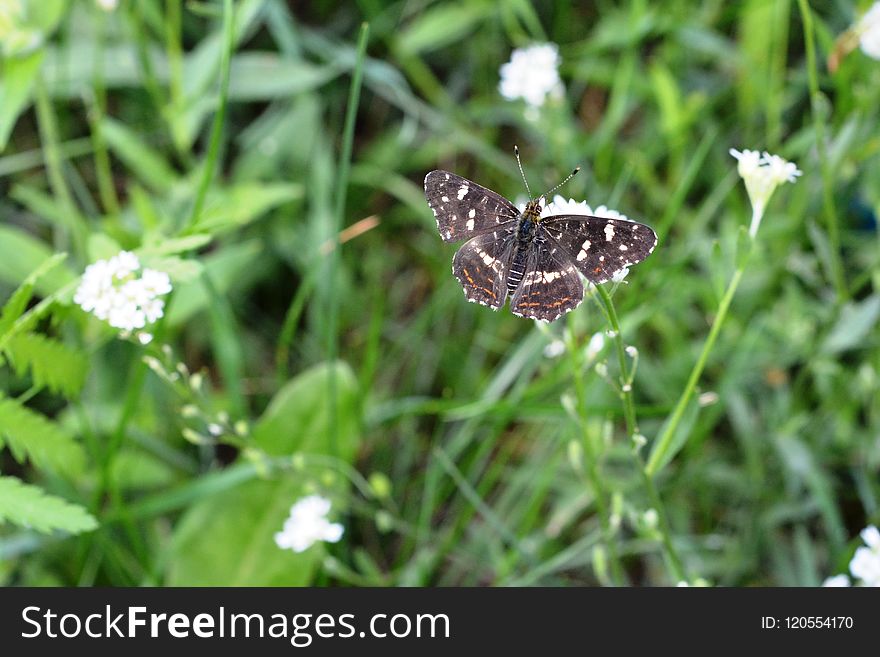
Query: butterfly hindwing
{"points": [[600, 247], [463, 208], [481, 266], [550, 286]]}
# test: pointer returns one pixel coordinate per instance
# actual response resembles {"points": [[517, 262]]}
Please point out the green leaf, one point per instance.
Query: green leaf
{"points": [[19, 299], [33, 436], [297, 419], [145, 162], [52, 364], [228, 539], [31, 507], [856, 321], [442, 25], [21, 254], [263, 76], [232, 207], [16, 84], [40, 203], [175, 245]]}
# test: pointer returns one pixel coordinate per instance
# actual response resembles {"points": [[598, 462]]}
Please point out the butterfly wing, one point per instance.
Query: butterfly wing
{"points": [[600, 247], [463, 208], [481, 265], [550, 286]]}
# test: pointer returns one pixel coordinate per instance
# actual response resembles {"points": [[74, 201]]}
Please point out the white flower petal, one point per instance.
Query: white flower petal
{"points": [[837, 581], [532, 74]]}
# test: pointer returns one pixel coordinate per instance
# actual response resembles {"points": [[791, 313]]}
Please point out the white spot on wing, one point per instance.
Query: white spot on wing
{"points": [[472, 213], [462, 192], [445, 199], [609, 232], [624, 247], [470, 224]]}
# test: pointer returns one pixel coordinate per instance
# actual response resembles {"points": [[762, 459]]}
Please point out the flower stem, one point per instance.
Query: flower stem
{"points": [[592, 469], [219, 118], [673, 561], [660, 453], [836, 273]]}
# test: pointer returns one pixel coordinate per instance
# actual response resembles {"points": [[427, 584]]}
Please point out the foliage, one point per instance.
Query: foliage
{"points": [[210, 139]]}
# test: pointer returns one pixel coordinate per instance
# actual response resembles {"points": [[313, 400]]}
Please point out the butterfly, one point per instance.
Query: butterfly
{"points": [[536, 261]]}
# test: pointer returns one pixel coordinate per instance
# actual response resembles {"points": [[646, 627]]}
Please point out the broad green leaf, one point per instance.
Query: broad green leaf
{"points": [[16, 84], [857, 320], [441, 25], [145, 162], [264, 76], [232, 207], [228, 539], [21, 253], [31, 507], [45, 443], [298, 417]]}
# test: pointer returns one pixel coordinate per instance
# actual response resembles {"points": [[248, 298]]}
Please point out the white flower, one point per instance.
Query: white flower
{"points": [[124, 264], [865, 564], [837, 581], [532, 74], [762, 175], [113, 291], [559, 205], [308, 524], [868, 29], [155, 282]]}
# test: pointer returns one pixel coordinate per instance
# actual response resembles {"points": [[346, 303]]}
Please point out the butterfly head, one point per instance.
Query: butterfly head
{"points": [[533, 209]]}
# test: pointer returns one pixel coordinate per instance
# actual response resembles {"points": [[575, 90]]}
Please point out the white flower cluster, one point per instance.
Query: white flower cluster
{"points": [[532, 74], [559, 205], [308, 524], [865, 564], [762, 175], [868, 29], [122, 293]]}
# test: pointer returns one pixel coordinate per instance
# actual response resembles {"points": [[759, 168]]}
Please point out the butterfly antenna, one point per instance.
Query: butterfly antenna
{"points": [[567, 178], [519, 164]]}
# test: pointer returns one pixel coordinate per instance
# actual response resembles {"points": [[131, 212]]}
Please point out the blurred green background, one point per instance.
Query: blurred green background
{"points": [[454, 450]]}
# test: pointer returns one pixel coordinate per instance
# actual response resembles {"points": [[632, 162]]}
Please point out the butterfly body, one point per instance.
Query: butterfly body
{"points": [[535, 261]]}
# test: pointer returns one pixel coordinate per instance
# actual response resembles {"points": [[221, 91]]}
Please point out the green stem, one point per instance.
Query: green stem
{"points": [[219, 118], [592, 470], [835, 265], [664, 442], [673, 561], [106, 189], [48, 127], [343, 171]]}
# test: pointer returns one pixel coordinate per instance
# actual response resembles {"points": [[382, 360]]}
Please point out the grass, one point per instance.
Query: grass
{"points": [[231, 144]]}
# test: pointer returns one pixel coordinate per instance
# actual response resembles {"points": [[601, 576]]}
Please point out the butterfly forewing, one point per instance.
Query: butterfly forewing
{"points": [[481, 265], [550, 286], [463, 208], [600, 247]]}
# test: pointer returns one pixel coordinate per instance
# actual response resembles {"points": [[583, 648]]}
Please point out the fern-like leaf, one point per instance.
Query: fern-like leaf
{"points": [[31, 507], [45, 443], [16, 304], [51, 363]]}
